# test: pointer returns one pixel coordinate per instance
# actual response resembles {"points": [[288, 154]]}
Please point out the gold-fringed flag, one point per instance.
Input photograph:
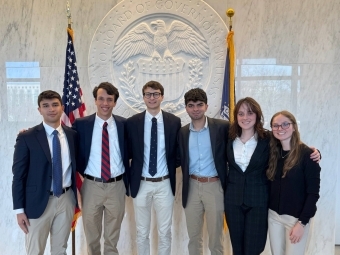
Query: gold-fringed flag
{"points": [[74, 106], [228, 94]]}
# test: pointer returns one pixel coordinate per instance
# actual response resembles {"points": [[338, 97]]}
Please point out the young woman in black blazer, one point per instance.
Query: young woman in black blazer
{"points": [[246, 195], [294, 187]]}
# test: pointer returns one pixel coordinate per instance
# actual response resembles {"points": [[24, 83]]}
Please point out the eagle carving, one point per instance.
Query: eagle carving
{"points": [[159, 43]]}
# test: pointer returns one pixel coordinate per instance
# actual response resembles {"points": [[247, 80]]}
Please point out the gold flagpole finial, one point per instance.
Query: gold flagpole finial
{"points": [[230, 13], [68, 14]]}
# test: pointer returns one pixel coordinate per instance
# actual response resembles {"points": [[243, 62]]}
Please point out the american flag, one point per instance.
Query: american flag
{"points": [[72, 94], [74, 106]]}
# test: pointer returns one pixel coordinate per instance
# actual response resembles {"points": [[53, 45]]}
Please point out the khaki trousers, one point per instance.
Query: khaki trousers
{"points": [[205, 198], [279, 227], [56, 221], [160, 194], [100, 199]]}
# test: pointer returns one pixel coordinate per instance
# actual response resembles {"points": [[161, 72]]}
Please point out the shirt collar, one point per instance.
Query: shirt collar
{"points": [[158, 116], [100, 121], [191, 126], [49, 130], [253, 138]]}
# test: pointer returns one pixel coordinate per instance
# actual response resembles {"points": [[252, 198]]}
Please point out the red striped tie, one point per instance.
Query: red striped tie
{"points": [[106, 172]]}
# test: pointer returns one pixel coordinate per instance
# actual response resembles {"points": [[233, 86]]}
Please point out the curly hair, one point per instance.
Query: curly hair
{"points": [[195, 95]]}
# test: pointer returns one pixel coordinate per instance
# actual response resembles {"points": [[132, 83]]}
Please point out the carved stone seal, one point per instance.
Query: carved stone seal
{"points": [[180, 44]]}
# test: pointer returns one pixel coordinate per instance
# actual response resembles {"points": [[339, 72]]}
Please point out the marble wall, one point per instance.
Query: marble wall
{"points": [[288, 57]]}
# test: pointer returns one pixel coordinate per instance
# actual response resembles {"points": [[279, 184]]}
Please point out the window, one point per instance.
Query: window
{"points": [[23, 88]]}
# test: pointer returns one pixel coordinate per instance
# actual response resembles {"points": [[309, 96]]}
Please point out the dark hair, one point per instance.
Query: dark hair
{"points": [[49, 94], [235, 130], [154, 85], [276, 147], [195, 95], [109, 88]]}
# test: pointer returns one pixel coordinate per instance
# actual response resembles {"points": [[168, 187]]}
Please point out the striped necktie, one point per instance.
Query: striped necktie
{"points": [[106, 171]]}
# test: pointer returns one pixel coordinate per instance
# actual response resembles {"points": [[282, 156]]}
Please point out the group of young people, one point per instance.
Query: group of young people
{"points": [[254, 177]]}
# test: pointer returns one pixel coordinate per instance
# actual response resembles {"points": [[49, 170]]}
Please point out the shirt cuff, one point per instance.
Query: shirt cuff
{"points": [[20, 210]]}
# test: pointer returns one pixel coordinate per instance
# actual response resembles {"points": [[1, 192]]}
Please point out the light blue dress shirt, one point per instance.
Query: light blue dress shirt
{"points": [[201, 160]]}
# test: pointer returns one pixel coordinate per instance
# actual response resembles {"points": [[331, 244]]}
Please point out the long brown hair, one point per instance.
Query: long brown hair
{"points": [[276, 147], [235, 130]]}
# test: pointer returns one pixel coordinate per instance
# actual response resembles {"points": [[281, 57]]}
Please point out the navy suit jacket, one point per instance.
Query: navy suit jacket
{"points": [[218, 130], [84, 127], [135, 126], [251, 186], [32, 170]]}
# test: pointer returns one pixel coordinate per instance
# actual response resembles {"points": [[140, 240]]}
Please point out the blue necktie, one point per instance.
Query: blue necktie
{"points": [[57, 166], [153, 148]]}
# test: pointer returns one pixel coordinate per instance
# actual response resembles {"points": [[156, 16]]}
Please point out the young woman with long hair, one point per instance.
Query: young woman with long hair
{"points": [[294, 187]]}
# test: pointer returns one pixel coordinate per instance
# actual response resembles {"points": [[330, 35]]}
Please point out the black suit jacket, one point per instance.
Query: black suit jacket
{"points": [[249, 187], [218, 130], [32, 170], [135, 127], [84, 127]]}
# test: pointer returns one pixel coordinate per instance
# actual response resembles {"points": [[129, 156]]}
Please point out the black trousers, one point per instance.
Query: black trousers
{"points": [[248, 228]]}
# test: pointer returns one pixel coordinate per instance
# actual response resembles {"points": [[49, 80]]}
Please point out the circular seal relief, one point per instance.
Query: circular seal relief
{"points": [[179, 44]]}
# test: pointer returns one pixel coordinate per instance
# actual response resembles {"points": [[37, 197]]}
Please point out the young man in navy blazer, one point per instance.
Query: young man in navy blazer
{"points": [[152, 142], [44, 183], [103, 162]]}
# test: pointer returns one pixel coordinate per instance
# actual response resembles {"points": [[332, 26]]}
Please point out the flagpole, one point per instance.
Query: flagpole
{"points": [[68, 14]]}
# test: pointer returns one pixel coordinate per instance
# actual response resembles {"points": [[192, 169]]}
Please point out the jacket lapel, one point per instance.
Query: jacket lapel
{"points": [[167, 126], [213, 134], [231, 158], [42, 138], [120, 132], [258, 153], [186, 134], [89, 131], [140, 131]]}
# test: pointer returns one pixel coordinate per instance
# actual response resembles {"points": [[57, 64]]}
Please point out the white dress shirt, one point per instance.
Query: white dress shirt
{"points": [[244, 151], [93, 167], [162, 167]]}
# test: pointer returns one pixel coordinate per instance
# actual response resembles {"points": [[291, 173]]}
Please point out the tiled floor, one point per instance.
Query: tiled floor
{"points": [[337, 250]]}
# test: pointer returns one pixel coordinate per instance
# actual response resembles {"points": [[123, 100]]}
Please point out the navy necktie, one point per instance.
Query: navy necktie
{"points": [[106, 170], [57, 165], [153, 148]]}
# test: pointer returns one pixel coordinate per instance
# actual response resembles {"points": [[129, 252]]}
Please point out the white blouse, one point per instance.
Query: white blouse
{"points": [[244, 151]]}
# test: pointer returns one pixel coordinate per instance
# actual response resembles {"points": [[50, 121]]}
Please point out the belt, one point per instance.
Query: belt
{"points": [[159, 179], [64, 190], [114, 179], [204, 179]]}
